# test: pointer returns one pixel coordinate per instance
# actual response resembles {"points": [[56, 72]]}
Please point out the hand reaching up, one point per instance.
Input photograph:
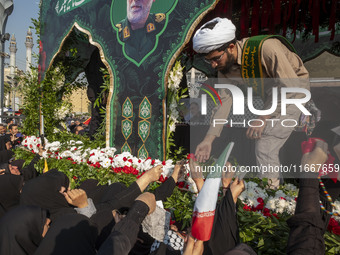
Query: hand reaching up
{"points": [[178, 170], [149, 199], [194, 247], [236, 188], [76, 197], [314, 160], [151, 175]]}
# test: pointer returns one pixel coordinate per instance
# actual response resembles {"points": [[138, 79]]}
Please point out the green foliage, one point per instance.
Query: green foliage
{"points": [[100, 101], [31, 92], [49, 96], [181, 206], [266, 235], [332, 243]]}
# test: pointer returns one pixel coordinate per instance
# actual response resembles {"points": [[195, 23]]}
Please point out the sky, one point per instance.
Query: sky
{"points": [[18, 23]]}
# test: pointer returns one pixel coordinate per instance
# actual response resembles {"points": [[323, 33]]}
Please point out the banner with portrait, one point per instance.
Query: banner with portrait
{"points": [[138, 42]]}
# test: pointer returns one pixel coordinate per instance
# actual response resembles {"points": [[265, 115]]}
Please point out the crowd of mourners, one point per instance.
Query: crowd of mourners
{"points": [[77, 127], [40, 214]]}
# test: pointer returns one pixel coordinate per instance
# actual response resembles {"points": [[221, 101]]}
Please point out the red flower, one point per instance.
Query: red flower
{"points": [[130, 160], [260, 200], [139, 161], [163, 163], [124, 159], [283, 198], [259, 207], [162, 179], [138, 176], [336, 230], [275, 215], [74, 163], [117, 170], [172, 222], [152, 162], [75, 178], [180, 185], [246, 208], [191, 156], [334, 227], [266, 212], [38, 145]]}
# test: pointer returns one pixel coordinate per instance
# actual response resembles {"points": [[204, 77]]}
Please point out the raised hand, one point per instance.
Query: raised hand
{"points": [[149, 199], [193, 247], [76, 197]]}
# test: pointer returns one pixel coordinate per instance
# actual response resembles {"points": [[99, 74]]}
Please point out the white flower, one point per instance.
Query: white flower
{"points": [[106, 163], [337, 209], [192, 185], [172, 127], [290, 187], [62, 112]]}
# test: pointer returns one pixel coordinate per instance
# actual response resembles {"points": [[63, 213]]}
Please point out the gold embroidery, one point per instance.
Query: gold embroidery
{"points": [[126, 32], [119, 26], [159, 17], [150, 27]]}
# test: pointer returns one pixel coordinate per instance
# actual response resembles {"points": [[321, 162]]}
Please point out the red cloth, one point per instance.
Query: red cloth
{"points": [[202, 224], [86, 122]]}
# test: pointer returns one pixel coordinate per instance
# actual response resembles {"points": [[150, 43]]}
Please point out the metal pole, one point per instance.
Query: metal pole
{"points": [[2, 48]]}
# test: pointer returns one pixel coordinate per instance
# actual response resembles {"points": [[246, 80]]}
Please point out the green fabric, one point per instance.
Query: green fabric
{"points": [[251, 67], [220, 162]]}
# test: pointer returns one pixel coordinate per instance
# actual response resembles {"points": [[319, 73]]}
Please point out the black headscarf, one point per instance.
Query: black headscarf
{"points": [[10, 187], [93, 190], [6, 155], [18, 163], [44, 190], [71, 234], [104, 222], [21, 230], [3, 140]]}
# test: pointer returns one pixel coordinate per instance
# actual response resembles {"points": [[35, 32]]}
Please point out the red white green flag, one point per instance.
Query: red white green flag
{"points": [[205, 205]]}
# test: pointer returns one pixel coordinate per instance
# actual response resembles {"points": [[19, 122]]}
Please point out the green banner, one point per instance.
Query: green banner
{"points": [[138, 42]]}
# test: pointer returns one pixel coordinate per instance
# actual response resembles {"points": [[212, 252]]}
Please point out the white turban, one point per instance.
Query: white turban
{"points": [[206, 40]]}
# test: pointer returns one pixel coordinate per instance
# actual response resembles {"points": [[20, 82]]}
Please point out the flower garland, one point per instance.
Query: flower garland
{"points": [[106, 158]]}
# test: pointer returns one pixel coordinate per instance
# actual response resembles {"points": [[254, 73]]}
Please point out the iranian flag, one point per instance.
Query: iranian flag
{"points": [[205, 205]]}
